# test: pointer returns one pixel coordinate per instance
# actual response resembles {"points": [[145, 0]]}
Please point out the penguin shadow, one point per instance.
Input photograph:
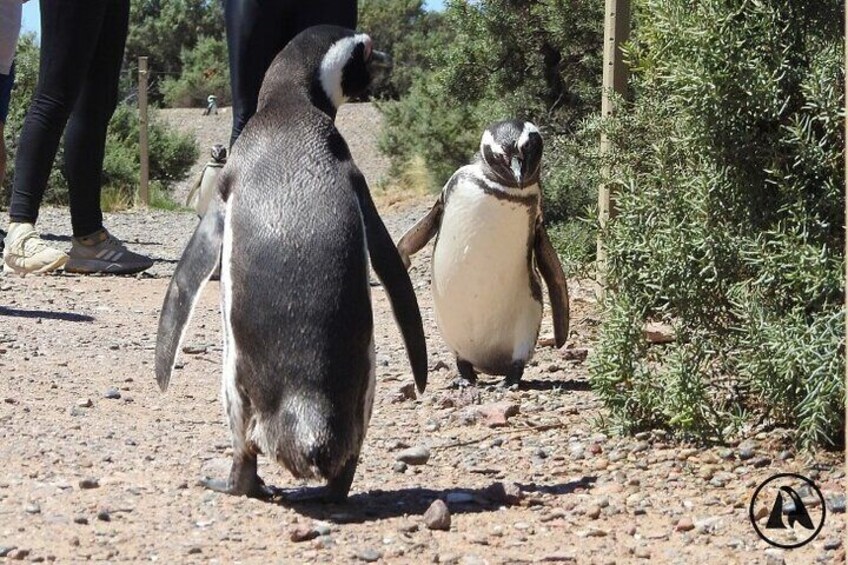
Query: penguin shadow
{"points": [[45, 314], [571, 385], [375, 505]]}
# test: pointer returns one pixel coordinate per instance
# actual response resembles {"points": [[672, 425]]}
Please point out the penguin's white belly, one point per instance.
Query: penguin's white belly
{"points": [[482, 292]]}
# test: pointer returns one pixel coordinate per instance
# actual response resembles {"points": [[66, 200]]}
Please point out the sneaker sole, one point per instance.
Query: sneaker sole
{"points": [[49, 268], [92, 267]]}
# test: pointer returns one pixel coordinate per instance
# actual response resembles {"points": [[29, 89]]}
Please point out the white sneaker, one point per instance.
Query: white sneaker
{"points": [[26, 252], [101, 252]]}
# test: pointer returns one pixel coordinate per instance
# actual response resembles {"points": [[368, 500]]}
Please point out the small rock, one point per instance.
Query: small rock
{"points": [[559, 557], [323, 528], [399, 467], [368, 555], [785, 455], [86, 484], [707, 525], [32, 508], [641, 446], [405, 392], [416, 455], [6, 550], [658, 333], [438, 517], [80, 520], [746, 449], [685, 524], [504, 493], [836, 503], [761, 462], [194, 550], [832, 544], [498, 413], [593, 512], [302, 533], [112, 393], [18, 554], [104, 516], [85, 403], [592, 533], [194, 349]]}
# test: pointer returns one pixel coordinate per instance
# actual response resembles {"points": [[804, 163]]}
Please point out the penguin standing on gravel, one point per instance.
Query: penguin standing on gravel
{"points": [[490, 248], [204, 189], [295, 225]]}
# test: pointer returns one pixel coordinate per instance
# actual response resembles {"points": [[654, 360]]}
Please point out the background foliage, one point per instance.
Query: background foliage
{"points": [[495, 59], [171, 153], [729, 178]]}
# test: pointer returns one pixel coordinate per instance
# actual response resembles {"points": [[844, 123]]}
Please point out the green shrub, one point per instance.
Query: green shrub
{"points": [[728, 176], [205, 71]]}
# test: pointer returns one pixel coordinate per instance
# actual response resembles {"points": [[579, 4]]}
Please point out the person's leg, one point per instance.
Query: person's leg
{"points": [[256, 32], [85, 136], [333, 12], [6, 82], [69, 31]]}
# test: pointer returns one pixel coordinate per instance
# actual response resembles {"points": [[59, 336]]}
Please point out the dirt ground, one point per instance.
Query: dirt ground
{"points": [[98, 464]]}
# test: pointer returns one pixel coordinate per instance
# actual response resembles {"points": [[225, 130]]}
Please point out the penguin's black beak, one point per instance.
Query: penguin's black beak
{"points": [[380, 63], [515, 165]]}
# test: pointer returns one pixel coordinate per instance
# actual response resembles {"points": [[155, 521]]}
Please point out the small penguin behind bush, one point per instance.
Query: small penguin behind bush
{"points": [[295, 225], [491, 245]]}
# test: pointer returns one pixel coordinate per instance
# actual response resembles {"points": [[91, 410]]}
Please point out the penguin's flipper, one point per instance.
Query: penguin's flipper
{"points": [[422, 232], [551, 269], [389, 268], [199, 259]]}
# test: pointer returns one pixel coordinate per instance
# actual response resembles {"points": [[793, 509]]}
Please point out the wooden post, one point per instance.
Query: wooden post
{"points": [[616, 32], [144, 149]]}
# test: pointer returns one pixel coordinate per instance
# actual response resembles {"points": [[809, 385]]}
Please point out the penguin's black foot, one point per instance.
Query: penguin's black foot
{"points": [[467, 374], [335, 492], [513, 375], [243, 481]]}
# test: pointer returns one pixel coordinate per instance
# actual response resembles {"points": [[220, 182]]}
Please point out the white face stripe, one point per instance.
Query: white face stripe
{"points": [[333, 64], [489, 141], [525, 133]]}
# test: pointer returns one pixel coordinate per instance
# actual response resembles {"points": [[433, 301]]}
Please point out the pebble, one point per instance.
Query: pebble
{"points": [[746, 449], [497, 414], [6, 550], [368, 555], [832, 544], [593, 512], [302, 533], [641, 446], [504, 493], [399, 467], [112, 393], [32, 508], [323, 528], [559, 557], [86, 484], [685, 524], [416, 455], [80, 520], [18, 554], [437, 516], [104, 516], [761, 462], [836, 503], [85, 403]]}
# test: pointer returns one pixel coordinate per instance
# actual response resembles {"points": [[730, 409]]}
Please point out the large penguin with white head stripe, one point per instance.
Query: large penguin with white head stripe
{"points": [[295, 225], [491, 245]]}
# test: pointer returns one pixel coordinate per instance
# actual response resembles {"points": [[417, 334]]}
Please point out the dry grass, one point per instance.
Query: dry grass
{"points": [[412, 183]]}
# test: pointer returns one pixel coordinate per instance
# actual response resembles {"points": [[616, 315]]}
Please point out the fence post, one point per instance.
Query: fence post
{"points": [[144, 150], [616, 32]]}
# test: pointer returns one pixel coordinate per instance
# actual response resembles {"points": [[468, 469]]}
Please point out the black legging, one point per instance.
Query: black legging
{"points": [[259, 29], [82, 46]]}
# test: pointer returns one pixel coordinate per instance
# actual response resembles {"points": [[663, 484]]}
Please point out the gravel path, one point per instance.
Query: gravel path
{"points": [[99, 465]]}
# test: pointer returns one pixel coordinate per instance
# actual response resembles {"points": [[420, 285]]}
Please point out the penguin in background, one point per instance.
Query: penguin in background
{"points": [[204, 189], [491, 245], [294, 224]]}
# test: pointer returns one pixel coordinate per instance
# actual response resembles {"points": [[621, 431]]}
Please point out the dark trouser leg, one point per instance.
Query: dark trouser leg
{"points": [[334, 12], [85, 137], [256, 32], [69, 37]]}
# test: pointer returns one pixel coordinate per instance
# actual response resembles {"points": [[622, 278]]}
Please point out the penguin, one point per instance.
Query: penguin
{"points": [[491, 245], [206, 185], [294, 224]]}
